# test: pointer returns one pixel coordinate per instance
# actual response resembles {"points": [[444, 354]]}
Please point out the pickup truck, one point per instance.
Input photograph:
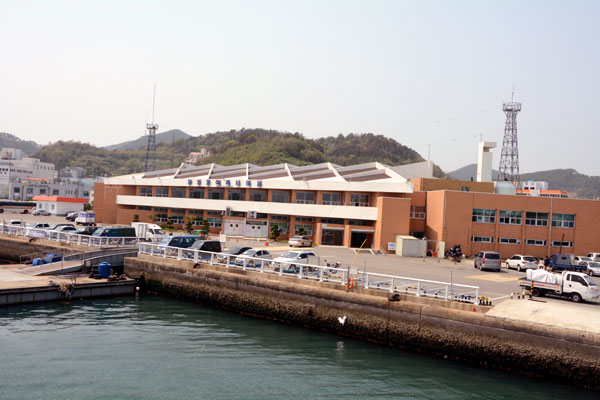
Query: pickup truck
{"points": [[573, 285], [563, 262]]}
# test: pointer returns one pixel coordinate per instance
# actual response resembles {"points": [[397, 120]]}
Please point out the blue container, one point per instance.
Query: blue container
{"points": [[104, 269], [52, 257], [36, 261]]}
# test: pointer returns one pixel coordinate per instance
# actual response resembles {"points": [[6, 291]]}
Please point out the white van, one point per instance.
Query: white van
{"points": [[594, 256]]}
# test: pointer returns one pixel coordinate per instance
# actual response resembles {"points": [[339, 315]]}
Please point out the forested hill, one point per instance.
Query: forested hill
{"points": [[257, 146], [11, 141]]}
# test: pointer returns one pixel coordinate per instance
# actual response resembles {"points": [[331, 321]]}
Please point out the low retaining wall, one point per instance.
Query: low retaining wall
{"points": [[451, 330], [15, 248]]}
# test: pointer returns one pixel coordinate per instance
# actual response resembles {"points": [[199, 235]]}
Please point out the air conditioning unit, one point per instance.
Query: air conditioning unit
{"points": [[251, 214], [228, 211]]}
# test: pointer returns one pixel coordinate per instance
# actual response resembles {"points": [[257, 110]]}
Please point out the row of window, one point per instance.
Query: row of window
{"points": [[488, 216], [356, 199], [528, 242]]}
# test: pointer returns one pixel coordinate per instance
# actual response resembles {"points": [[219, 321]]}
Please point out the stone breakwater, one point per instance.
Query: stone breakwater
{"points": [[450, 330]]}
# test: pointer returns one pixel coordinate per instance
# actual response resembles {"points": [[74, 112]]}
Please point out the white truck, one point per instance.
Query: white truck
{"points": [[86, 218], [148, 231], [576, 286]]}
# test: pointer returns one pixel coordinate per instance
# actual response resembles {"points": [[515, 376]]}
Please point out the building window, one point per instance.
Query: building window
{"points": [[359, 200], [305, 198], [307, 229], [42, 191], [178, 192], [196, 212], [536, 218], [510, 217], [509, 240], [215, 222], [337, 221], [331, 199], [417, 212], [360, 222], [29, 190], [161, 192], [535, 242], [280, 218], [177, 218], [54, 192], [280, 197], [558, 243], [563, 220], [196, 193], [145, 191], [484, 216], [258, 195], [304, 219], [236, 195], [216, 194], [482, 239], [282, 226], [162, 217], [465, 189], [215, 212], [144, 208]]}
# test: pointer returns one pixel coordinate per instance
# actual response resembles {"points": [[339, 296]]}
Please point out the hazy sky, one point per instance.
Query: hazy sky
{"points": [[421, 72]]}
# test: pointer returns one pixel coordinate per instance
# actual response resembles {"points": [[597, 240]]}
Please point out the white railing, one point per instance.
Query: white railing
{"points": [[393, 284], [95, 241]]}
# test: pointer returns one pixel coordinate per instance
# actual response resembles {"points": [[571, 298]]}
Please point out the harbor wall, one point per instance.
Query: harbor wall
{"points": [[452, 330], [19, 248]]}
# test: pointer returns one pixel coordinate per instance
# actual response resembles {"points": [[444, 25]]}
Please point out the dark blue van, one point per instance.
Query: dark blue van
{"points": [[179, 241], [115, 232]]}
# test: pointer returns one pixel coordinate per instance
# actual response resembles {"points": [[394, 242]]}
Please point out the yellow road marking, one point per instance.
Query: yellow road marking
{"points": [[494, 278]]}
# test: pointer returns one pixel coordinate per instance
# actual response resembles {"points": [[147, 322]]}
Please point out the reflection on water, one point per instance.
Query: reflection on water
{"points": [[156, 348]]}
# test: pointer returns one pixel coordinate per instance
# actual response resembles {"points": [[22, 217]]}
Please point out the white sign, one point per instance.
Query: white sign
{"points": [[391, 246]]}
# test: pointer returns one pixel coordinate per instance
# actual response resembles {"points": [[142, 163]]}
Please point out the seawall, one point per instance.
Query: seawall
{"points": [[451, 330], [18, 248]]}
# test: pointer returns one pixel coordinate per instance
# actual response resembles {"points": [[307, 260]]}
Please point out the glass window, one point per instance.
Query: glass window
{"points": [[161, 209], [280, 218], [535, 242], [144, 208], [196, 212], [307, 229], [304, 219], [161, 217], [177, 218], [161, 192], [234, 194], [331, 199], [178, 192], [280, 197], [54, 192], [417, 212], [484, 216], [482, 239], [282, 226], [215, 222], [258, 195], [536, 218], [509, 240], [216, 194], [359, 200], [196, 193], [558, 243], [563, 220], [337, 221], [510, 217], [305, 198], [42, 191], [361, 222]]}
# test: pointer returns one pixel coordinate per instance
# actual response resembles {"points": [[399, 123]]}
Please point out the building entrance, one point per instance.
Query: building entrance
{"points": [[357, 239], [332, 237]]}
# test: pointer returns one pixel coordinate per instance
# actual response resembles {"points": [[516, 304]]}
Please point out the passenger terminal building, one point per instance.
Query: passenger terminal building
{"points": [[367, 204]]}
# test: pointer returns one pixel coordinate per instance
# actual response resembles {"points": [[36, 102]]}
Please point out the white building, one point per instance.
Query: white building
{"points": [[56, 205]]}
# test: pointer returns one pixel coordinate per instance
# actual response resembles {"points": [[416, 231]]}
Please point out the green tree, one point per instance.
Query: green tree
{"points": [[136, 218], [275, 232], [188, 220], [301, 231], [205, 225]]}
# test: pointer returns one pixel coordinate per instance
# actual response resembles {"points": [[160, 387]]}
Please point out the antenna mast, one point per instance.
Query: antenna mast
{"points": [[150, 164], [509, 159]]}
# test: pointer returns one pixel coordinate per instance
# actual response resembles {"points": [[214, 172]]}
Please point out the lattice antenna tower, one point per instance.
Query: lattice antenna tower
{"points": [[509, 158], [150, 164]]}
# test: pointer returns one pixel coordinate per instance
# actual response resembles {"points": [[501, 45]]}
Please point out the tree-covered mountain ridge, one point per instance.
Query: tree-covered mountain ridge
{"points": [[256, 146]]}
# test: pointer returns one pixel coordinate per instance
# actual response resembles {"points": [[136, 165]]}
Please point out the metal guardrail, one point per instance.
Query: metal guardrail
{"points": [[94, 241], [392, 284]]}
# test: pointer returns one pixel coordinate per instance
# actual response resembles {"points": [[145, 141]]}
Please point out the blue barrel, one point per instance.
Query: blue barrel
{"points": [[104, 269], [36, 261]]}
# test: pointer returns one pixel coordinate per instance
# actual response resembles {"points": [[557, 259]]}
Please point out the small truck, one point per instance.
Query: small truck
{"points": [[564, 262], [575, 286], [86, 218], [150, 232]]}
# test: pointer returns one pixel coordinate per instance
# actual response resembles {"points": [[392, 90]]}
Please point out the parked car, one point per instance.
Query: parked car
{"points": [[253, 258], [521, 262], [300, 241], [579, 259], [183, 241], [594, 256], [15, 222], [40, 225], [114, 232], [488, 260], [71, 216], [206, 248], [65, 229], [41, 212], [592, 267], [53, 227], [86, 230], [232, 252], [291, 259]]}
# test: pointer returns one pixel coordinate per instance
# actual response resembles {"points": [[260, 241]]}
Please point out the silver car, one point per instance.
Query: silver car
{"points": [[521, 262], [488, 260], [592, 267]]}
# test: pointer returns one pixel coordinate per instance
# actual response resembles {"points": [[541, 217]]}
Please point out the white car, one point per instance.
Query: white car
{"points": [[521, 262], [579, 259], [290, 260], [253, 258], [592, 267], [41, 212], [300, 241]]}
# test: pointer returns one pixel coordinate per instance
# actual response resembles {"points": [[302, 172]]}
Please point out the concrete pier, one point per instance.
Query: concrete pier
{"points": [[447, 329]]}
